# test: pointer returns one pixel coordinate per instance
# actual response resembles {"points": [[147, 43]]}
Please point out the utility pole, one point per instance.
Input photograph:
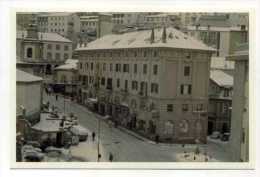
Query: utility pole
{"points": [[98, 153]]}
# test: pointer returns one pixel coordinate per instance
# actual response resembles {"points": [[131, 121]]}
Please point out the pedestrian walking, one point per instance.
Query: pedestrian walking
{"points": [[56, 97], [111, 157], [157, 139], [93, 136]]}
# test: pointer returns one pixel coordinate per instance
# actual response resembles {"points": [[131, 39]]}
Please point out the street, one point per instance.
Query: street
{"points": [[125, 147]]}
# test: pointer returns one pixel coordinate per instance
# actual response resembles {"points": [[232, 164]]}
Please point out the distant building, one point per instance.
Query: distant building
{"points": [[23, 19], [154, 82], [224, 39], [39, 52], [224, 20], [190, 18], [222, 64], [162, 19], [239, 142], [65, 78], [65, 24], [28, 96], [220, 101], [95, 26]]}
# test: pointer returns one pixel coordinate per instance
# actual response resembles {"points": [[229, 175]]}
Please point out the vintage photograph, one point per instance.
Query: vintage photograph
{"points": [[132, 87]]}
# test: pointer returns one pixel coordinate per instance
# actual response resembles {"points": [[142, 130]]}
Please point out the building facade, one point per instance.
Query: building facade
{"points": [[95, 26], [154, 82], [224, 39], [27, 87], [63, 23], [239, 142], [220, 101], [65, 78], [41, 51]]}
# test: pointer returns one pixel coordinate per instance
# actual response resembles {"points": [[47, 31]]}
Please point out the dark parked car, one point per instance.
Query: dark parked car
{"points": [[225, 137]]}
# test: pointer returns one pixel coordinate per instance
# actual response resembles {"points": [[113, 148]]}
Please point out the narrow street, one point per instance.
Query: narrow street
{"points": [[125, 147]]}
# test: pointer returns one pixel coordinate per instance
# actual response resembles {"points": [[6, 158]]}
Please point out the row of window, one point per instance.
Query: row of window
{"points": [[88, 23], [56, 24], [57, 56], [58, 47], [135, 84], [185, 107], [57, 30], [56, 18], [144, 53], [125, 67]]}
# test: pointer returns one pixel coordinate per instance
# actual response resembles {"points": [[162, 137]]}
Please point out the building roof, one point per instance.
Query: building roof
{"points": [[221, 78], [221, 63], [46, 124], [157, 15], [58, 14], [213, 28], [70, 64], [45, 36], [214, 20], [22, 76], [142, 39]]}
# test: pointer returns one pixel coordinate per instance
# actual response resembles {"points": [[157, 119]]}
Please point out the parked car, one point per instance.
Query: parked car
{"points": [[215, 135], [80, 131], [225, 137]]}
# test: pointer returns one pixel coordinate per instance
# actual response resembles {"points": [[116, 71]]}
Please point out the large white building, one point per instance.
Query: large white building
{"points": [[153, 81]]}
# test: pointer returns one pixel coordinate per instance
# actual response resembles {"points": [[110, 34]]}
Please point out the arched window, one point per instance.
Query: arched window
{"points": [[169, 127], [184, 126], [29, 52]]}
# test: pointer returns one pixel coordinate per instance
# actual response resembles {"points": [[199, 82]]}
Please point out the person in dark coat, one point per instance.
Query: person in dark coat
{"points": [[56, 97], [111, 157], [157, 139], [93, 136]]}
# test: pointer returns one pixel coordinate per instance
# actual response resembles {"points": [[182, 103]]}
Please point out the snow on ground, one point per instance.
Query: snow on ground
{"points": [[128, 148]]}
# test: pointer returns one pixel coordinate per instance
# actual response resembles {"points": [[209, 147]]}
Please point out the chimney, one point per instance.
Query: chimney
{"points": [[152, 36], [164, 35]]}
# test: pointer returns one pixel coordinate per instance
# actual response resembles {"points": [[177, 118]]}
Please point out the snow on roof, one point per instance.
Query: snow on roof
{"points": [[141, 39], [69, 65], [221, 63], [57, 14], [22, 76], [157, 15], [221, 78], [46, 124], [213, 28], [45, 36]]}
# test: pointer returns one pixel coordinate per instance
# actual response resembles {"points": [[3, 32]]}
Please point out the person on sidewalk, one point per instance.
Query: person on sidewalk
{"points": [[93, 136], [157, 139], [56, 97], [111, 157]]}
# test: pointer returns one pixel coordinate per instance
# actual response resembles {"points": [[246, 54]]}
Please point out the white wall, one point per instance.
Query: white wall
{"points": [[29, 96]]}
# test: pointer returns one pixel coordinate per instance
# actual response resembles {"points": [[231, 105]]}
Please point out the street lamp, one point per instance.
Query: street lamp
{"points": [[98, 143]]}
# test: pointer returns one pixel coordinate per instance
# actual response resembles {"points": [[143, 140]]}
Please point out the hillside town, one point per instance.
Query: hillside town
{"points": [[132, 87]]}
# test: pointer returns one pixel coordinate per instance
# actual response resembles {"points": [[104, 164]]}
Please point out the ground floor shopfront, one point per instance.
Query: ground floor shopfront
{"points": [[151, 123]]}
